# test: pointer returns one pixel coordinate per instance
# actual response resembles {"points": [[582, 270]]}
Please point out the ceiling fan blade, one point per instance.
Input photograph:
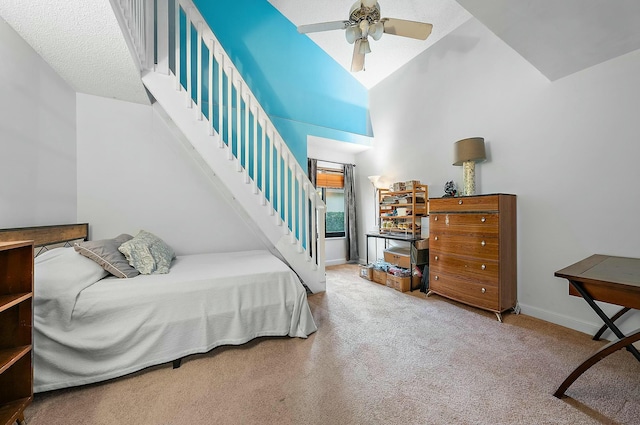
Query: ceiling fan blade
{"points": [[357, 63], [323, 26], [403, 28]]}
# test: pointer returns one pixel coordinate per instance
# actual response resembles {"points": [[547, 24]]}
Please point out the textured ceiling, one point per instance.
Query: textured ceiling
{"points": [[82, 42]]}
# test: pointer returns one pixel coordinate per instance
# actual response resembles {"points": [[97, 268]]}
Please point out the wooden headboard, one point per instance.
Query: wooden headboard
{"points": [[46, 235]]}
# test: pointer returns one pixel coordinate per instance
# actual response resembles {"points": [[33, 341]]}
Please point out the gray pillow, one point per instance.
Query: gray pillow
{"points": [[105, 253], [148, 253]]}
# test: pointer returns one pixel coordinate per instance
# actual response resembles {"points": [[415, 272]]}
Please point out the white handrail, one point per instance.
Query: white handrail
{"points": [[284, 186]]}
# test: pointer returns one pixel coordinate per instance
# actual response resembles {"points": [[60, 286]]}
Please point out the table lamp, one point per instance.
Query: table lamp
{"points": [[466, 153]]}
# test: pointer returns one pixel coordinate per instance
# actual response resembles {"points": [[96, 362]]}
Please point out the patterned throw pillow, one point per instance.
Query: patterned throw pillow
{"points": [[105, 253], [147, 253]]}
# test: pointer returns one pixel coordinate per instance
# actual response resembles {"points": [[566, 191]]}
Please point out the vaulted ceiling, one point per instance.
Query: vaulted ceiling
{"points": [[390, 52], [82, 41], [561, 37]]}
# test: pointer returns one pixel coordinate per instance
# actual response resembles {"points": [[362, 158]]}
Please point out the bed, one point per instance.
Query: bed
{"points": [[90, 326]]}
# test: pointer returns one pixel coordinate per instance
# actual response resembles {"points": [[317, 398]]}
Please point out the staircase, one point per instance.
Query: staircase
{"points": [[207, 99]]}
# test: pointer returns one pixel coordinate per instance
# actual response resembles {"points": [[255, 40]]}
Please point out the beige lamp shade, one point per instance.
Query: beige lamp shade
{"points": [[471, 149]]}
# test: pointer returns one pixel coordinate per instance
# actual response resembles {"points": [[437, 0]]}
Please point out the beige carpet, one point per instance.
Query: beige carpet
{"points": [[379, 357]]}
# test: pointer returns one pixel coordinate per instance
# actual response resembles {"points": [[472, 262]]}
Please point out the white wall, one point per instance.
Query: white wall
{"points": [[37, 138], [133, 174], [568, 149]]}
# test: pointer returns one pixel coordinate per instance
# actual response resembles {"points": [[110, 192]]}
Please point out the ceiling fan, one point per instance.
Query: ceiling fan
{"points": [[364, 21]]}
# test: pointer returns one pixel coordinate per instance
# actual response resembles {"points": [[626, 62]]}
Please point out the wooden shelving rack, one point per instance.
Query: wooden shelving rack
{"points": [[16, 330], [400, 211]]}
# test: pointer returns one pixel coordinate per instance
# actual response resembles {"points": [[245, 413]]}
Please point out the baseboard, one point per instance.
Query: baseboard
{"points": [[335, 262], [589, 328]]}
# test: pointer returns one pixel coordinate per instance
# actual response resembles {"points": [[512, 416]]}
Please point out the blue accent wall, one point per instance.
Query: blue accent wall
{"points": [[303, 89]]}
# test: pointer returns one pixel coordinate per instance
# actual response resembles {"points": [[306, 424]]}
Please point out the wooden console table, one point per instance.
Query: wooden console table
{"points": [[614, 280]]}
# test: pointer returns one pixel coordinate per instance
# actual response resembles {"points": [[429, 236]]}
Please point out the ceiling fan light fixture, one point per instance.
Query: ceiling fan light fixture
{"points": [[352, 33], [369, 3], [364, 46], [376, 30]]}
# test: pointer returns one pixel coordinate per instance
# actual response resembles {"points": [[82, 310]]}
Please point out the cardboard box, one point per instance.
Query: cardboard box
{"points": [[402, 284], [398, 186], [410, 184], [366, 272], [416, 282], [380, 276], [398, 256], [422, 244]]}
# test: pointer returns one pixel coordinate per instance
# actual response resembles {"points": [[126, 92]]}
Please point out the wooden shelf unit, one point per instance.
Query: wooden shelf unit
{"points": [[16, 330], [391, 204]]}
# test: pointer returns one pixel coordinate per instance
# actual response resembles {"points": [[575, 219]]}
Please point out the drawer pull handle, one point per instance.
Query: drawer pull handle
{"points": [[460, 202], [435, 218], [436, 238], [483, 267], [483, 219], [483, 243], [484, 290], [436, 258], [436, 277]]}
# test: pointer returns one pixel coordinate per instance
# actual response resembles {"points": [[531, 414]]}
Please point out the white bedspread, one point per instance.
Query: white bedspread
{"points": [[88, 331]]}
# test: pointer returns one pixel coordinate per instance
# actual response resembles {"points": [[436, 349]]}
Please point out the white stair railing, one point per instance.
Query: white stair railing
{"points": [[218, 94]]}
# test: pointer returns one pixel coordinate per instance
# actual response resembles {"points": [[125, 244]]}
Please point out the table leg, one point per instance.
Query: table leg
{"points": [[613, 318], [367, 250], [595, 358], [589, 299]]}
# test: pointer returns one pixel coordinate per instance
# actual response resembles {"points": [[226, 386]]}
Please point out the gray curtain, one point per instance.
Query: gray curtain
{"points": [[312, 164], [351, 230]]}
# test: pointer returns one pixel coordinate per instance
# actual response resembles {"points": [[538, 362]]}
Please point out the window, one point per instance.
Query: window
{"points": [[330, 184]]}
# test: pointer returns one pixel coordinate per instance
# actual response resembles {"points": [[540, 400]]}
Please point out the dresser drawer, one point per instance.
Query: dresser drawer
{"points": [[464, 204], [472, 269], [465, 223], [480, 247], [474, 294]]}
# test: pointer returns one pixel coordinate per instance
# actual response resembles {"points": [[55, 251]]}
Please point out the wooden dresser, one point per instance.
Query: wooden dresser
{"points": [[16, 323], [472, 259]]}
